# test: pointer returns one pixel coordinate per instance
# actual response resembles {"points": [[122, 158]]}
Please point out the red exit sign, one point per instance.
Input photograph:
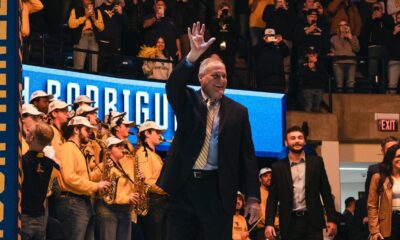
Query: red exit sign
{"points": [[388, 125]]}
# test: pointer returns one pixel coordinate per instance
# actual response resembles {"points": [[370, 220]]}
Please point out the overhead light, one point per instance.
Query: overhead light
{"points": [[353, 169]]}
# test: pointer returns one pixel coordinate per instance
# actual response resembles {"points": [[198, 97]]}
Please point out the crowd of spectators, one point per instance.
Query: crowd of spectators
{"points": [[354, 39]]}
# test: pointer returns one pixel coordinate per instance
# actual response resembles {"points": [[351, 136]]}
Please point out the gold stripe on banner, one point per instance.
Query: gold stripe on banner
{"points": [[3, 93], [3, 64], [3, 50], [3, 79], [2, 146], [3, 127], [3, 30], [3, 108], [2, 161], [3, 7]]}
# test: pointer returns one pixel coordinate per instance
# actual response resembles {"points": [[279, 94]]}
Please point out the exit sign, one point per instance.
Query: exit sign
{"points": [[388, 125], [387, 122]]}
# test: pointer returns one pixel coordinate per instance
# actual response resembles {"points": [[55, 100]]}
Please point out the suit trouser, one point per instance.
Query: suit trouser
{"points": [[196, 212], [301, 229]]}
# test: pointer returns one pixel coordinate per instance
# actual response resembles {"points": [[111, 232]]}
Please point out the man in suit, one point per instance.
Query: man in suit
{"points": [[297, 183], [212, 155]]}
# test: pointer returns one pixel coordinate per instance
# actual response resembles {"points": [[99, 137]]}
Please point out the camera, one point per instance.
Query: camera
{"points": [[224, 12]]}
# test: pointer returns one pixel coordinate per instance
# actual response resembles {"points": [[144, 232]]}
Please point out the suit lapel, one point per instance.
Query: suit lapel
{"points": [[308, 170], [224, 111], [202, 108], [288, 175]]}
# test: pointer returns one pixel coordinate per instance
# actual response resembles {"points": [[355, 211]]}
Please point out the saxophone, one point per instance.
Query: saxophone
{"points": [[110, 193], [140, 187]]}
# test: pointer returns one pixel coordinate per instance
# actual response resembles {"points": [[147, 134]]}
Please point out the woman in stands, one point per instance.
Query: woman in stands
{"points": [[155, 69]]}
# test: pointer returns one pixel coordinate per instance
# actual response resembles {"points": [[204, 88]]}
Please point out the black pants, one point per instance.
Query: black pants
{"points": [[196, 212], [301, 229], [109, 56], [395, 235], [154, 224]]}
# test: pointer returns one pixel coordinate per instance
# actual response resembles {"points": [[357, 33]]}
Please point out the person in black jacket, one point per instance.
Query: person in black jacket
{"points": [[311, 32], [313, 76], [282, 18], [114, 18], [269, 62], [225, 30], [378, 27], [202, 170], [298, 184], [394, 56], [348, 216]]}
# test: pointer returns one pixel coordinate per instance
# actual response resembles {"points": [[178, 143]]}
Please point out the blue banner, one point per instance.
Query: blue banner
{"points": [[10, 76], [143, 100]]}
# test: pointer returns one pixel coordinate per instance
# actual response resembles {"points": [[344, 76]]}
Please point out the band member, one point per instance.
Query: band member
{"points": [[58, 113], [81, 100], [239, 228], [113, 215], [41, 100], [93, 150], [150, 163], [75, 210], [120, 127], [37, 169], [30, 116]]}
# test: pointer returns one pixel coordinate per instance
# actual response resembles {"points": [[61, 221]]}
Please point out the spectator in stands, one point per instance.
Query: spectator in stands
{"points": [[28, 7], [378, 27], [394, 57], [85, 21], [132, 38], [225, 29], [339, 10], [393, 7], [239, 228], [256, 23], [157, 24], [344, 43], [269, 62], [282, 18], [184, 14], [114, 18], [348, 214], [313, 76], [384, 198], [311, 33], [158, 70]]}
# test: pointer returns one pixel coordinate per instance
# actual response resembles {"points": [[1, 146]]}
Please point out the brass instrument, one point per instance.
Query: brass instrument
{"points": [[110, 193], [142, 207]]}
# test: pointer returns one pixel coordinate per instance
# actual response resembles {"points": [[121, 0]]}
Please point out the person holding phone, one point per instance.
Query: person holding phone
{"points": [[384, 198], [157, 25], [344, 43]]}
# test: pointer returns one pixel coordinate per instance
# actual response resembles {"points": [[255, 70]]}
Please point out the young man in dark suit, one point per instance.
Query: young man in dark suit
{"points": [[298, 183], [212, 155]]}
